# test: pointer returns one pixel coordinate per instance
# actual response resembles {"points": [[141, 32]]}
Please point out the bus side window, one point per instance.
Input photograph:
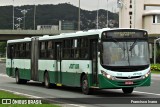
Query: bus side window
{"points": [[9, 50], [84, 48], [66, 49], [22, 50], [27, 51], [50, 50], [17, 50], [42, 50]]}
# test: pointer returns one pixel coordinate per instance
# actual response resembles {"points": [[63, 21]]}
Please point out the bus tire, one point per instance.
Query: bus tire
{"points": [[18, 80], [47, 80], [127, 90], [84, 85]]}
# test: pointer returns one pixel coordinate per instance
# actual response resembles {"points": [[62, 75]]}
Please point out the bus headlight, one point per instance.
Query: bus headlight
{"points": [[147, 74], [107, 75]]}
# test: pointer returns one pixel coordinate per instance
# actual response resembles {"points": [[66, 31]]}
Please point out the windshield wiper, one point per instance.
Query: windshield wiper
{"points": [[117, 43], [133, 45]]}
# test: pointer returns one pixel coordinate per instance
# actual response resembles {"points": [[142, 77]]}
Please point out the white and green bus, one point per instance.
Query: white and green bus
{"points": [[103, 59]]}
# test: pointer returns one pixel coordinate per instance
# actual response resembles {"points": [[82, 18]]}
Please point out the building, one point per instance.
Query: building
{"points": [[142, 14], [47, 27], [66, 25]]}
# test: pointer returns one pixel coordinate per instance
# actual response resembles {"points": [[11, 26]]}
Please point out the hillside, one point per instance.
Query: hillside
{"points": [[51, 14]]}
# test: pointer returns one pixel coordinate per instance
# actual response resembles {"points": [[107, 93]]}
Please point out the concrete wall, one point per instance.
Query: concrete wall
{"points": [[137, 11], [151, 2]]}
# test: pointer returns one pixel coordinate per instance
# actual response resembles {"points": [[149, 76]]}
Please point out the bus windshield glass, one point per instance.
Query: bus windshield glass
{"points": [[125, 53]]}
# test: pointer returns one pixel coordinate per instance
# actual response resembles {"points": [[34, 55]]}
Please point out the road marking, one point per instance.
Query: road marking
{"points": [[32, 96], [76, 105], [147, 93], [142, 92]]}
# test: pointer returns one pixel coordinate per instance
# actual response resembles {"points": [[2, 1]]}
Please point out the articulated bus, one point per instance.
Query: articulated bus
{"points": [[101, 59]]}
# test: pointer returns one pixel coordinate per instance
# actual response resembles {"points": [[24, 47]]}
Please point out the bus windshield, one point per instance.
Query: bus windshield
{"points": [[125, 53]]}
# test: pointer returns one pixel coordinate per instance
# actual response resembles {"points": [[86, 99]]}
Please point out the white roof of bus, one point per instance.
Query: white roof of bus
{"points": [[19, 40], [67, 35]]}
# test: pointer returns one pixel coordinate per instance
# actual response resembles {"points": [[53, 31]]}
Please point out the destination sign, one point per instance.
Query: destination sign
{"points": [[124, 34]]}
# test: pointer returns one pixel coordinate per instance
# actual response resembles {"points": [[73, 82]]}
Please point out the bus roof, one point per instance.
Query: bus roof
{"points": [[68, 35]]}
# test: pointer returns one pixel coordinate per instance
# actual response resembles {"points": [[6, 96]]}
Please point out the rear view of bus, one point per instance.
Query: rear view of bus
{"points": [[124, 59]]}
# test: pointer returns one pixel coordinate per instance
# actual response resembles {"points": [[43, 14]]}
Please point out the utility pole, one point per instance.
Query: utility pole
{"points": [[98, 15], [13, 14], [107, 13], [79, 20], [35, 15]]}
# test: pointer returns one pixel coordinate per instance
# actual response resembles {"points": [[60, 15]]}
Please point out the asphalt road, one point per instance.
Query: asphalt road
{"points": [[75, 98]]}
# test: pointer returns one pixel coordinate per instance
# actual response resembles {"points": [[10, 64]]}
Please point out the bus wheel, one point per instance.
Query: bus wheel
{"points": [[18, 80], [46, 80], [127, 90], [84, 85]]}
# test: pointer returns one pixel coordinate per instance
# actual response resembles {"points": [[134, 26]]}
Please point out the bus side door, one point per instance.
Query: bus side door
{"points": [[10, 60], [93, 55], [58, 75]]}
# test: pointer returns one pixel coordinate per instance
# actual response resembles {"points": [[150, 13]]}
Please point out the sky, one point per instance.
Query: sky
{"points": [[85, 4]]}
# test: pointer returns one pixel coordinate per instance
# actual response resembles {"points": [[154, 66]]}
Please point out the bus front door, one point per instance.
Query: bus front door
{"points": [[58, 74], [93, 50]]}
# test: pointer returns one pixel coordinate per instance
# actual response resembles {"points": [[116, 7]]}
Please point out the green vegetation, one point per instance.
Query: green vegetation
{"points": [[2, 49], [155, 68], [51, 14], [4, 94]]}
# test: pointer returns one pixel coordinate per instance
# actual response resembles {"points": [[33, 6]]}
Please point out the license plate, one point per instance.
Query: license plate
{"points": [[128, 82]]}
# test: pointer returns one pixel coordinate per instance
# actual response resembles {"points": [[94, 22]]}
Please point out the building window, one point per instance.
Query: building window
{"points": [[130, 22], [151, 7], [156, 18], [130, 6], [130, 13]]}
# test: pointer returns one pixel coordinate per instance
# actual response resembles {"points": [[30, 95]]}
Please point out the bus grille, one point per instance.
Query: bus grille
{"points": [[128, 77]]}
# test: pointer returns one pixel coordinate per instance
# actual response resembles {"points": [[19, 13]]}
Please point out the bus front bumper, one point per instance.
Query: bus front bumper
{"points": [[120, 83]]}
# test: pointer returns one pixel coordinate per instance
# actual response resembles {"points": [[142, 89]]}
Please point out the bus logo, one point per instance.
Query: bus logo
{"points": [[129, 76]]}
